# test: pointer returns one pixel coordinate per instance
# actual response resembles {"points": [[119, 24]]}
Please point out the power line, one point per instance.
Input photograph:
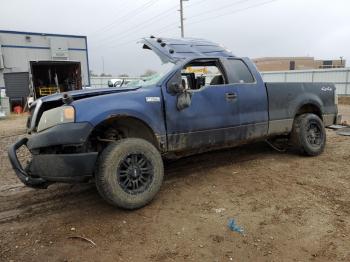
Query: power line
{"points": [[127, 16], [221, 8], [136, 28], [128, 32], [196, 3], [210, 11], [173, 25], [167, 27], [233, 12]]}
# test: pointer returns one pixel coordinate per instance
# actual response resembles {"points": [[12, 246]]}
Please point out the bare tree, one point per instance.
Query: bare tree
{"points": [[92, 73], [123, 75], [149, 72], [105, 75]]}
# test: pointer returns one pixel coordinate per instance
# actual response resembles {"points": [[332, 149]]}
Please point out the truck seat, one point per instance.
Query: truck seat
{"points": [[217, 80]]}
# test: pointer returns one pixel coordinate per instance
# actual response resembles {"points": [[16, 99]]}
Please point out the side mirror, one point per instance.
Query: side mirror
{"points": [[175, 88], [184, 100]]}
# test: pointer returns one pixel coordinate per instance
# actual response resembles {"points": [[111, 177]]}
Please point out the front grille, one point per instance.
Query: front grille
{"points": [[29, 119], [33, 118]]}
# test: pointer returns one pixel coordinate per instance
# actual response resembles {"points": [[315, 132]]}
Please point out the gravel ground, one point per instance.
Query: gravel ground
{"points": [[292, 208]]}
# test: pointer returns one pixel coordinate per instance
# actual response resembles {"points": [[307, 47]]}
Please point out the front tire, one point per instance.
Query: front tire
{"points": [[129, 173], [309, 134]]}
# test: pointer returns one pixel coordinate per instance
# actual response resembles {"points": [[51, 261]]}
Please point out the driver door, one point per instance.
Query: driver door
{"points": [[212, 118]]}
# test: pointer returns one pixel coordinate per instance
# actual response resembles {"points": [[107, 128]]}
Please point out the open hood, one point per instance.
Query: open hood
{"points": [[85, 93], [174, 50], [48, 102]]}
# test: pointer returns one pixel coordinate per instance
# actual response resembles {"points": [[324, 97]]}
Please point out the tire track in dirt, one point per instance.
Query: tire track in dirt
{"points": [[24, 203], [31, 203]]}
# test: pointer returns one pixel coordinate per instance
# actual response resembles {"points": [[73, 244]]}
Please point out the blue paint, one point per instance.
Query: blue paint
{"points": [[40, 47], [40, 34], [253, 105], [209, 120], [209, 117], [133, 104], [196, 118], [77, 49], [234, 227], [23, 46]]}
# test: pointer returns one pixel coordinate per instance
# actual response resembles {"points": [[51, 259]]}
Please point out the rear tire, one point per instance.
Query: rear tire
{"points": [[308, 134], [129, 173]]}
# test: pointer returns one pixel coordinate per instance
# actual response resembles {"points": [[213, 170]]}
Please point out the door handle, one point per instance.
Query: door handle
{"points": [[230, 96]]}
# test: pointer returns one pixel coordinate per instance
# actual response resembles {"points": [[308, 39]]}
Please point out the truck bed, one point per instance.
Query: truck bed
{"points": [[285, 99]]}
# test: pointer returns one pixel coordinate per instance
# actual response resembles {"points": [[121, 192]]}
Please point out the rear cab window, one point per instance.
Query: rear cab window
{"points": [[238, 72]]}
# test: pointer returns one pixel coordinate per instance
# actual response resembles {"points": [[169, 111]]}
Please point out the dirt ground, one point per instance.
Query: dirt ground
{"points": [[292, 208]]}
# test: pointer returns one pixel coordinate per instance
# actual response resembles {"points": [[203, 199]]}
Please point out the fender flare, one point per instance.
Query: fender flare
{"points": [[159, 140]]}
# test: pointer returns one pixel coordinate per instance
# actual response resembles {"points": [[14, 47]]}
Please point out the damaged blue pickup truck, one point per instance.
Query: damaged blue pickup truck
{"points": [[209, 99]]}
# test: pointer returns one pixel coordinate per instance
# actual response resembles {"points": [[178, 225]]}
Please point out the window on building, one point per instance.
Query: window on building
{"points": [[327, 64], [292, 65]]}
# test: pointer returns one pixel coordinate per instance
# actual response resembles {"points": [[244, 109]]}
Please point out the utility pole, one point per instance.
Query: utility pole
{"points": [[341, 61], [103, 65], [182, 18]]}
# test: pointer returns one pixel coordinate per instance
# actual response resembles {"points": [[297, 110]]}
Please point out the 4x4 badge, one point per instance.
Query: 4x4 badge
{"points": [[325, 89]]}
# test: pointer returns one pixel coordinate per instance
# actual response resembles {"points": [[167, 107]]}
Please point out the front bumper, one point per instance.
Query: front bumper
{"points": [[63, 134], [45, 169], [26, 179]]}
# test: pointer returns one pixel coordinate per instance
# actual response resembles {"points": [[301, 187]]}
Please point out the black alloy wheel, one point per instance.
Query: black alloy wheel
{"points": [[135, 173], [308, 135], [314, 133], [129, 173]]}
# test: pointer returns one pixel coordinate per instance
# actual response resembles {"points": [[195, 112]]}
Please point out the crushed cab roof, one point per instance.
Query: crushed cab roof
{"points": [[174, 50]]}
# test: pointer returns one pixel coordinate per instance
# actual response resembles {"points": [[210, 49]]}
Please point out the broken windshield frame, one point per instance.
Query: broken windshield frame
{"points": [[152, 80]]}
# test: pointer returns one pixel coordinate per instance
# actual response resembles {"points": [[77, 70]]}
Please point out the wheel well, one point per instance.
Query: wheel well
{"points": [[119, 127], [309, 108]]}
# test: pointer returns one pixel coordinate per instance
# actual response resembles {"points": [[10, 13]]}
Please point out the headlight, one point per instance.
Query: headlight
{"points": [[336, 98], [58, 115]]}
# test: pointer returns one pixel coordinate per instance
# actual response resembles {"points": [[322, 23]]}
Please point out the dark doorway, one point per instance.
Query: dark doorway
{"points": [[17, 88], [292, 65], [51, 77]]}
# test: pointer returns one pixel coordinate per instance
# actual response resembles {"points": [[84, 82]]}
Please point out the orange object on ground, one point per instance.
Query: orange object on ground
{"points": [[18, 109]]}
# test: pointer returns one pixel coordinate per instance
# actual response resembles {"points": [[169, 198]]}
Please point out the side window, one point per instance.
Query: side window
{"points": [[200, 73], [239, 72]]}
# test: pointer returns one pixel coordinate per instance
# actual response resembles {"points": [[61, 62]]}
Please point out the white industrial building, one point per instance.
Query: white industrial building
{"points": [[38, 64], [339, 76]]}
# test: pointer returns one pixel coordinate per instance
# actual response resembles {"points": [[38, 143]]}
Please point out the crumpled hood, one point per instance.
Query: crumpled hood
{"points": [[48, 102], [79, 94]]}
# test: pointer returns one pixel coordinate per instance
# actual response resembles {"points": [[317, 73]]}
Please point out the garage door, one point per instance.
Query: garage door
{"points": [[17, 85]]}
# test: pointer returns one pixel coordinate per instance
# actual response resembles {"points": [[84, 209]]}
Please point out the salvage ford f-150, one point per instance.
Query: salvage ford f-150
{"points": [[208, 100]]}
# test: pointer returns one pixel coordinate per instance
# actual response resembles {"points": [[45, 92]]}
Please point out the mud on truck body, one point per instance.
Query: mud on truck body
{"points": [[210, 99]]}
